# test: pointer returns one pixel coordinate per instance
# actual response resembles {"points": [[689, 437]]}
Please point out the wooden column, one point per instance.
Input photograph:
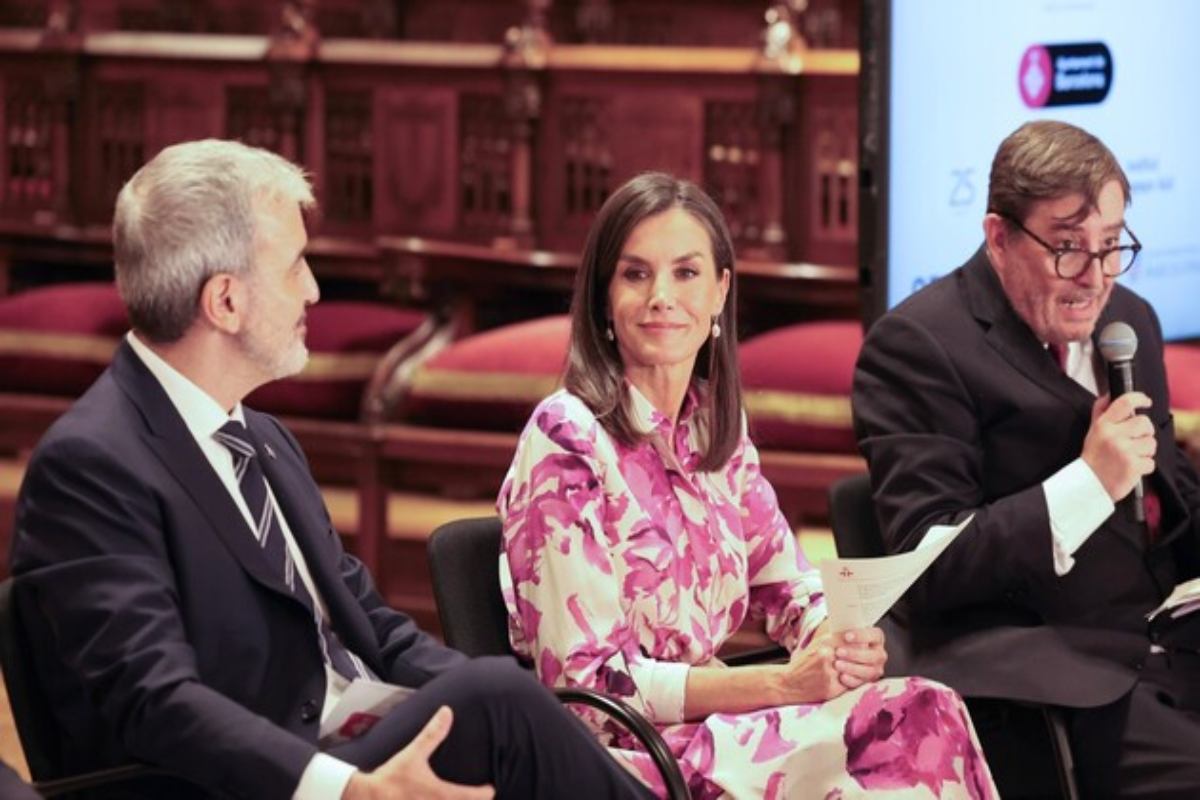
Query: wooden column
{"points": [[62, 19], [526, 49], [292, 48], [781, 59]]}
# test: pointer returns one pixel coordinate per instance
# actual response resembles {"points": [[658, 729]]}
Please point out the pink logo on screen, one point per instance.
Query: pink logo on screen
{"points": [[1035, 77]]}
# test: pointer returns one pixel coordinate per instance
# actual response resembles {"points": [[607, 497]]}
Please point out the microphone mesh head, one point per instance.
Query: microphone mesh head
{"points": [[1118, 342]]}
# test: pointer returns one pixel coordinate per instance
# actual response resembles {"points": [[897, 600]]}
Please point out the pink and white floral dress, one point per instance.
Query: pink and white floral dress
{"points": [[624, 566]]}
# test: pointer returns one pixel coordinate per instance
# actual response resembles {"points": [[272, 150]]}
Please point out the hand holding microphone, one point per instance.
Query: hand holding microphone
{"points": [[1120, 443]]}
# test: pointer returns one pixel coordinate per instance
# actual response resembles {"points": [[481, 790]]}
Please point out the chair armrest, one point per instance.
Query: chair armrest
{"points": [[641, 728]]}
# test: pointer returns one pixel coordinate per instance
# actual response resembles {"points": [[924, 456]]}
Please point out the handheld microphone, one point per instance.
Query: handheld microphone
{"points": [[1118, 344]]}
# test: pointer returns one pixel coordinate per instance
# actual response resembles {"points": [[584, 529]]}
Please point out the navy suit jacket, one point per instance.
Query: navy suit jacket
{"points": [[959, 409], [163, 632]]}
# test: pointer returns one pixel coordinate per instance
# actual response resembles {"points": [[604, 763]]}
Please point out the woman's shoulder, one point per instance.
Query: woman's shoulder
{"points": [[564, 406], [564, 402], [565, 420]]}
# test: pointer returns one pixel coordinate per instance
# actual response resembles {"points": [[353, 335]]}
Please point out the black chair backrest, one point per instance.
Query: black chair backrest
{"points": [[464, 559], [852, 517], [1026, 746], [856, 534], [31, 710]]}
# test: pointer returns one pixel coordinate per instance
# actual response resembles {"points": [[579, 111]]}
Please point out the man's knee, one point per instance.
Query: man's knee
{"points": [[500, 681], [1140, 746]]}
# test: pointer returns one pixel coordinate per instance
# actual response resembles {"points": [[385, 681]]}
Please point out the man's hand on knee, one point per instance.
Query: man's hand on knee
{"points": [[408, 774]]}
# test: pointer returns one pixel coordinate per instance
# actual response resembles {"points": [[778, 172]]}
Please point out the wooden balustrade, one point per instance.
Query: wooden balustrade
{"points": [[503, 146], [825, 23]]}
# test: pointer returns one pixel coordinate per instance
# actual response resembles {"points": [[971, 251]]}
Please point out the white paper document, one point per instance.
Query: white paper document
{"points": [[363, 704], [1183, 600], [858, 591]]}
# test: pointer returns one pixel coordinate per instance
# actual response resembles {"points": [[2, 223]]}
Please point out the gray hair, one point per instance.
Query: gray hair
{"points": [[188, 215]]}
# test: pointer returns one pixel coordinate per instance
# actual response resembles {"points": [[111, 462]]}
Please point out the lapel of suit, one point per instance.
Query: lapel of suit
{"points": [[303, 507], [168, 437], [296, 501], [1013, 339], [1017, 343]]}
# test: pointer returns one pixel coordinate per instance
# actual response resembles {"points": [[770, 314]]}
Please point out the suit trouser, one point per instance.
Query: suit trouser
{"points": [[1147, 744], [12, 787], [508, 731]]}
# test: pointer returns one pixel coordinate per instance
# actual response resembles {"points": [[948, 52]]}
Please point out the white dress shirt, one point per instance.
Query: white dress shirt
{"points": [[1076, 501]]}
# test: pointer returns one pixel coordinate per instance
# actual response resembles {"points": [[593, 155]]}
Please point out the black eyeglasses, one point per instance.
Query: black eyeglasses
{"points": [[1070, 262]]}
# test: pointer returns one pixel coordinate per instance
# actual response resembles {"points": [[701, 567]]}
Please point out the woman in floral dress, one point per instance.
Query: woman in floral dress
{"points": [[639, 533]]}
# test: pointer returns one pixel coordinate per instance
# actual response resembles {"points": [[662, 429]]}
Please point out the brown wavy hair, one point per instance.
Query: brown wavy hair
{"points": [[594, 371]]}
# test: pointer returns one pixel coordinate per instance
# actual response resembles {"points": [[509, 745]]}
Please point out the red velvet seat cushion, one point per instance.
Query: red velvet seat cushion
{"points": [[797, 386], [345, 341], [58, 339], [1183, 381], [491, 380]]}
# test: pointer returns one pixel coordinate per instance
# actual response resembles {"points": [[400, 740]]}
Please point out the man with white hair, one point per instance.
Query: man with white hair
{"points": [[190, 603]]}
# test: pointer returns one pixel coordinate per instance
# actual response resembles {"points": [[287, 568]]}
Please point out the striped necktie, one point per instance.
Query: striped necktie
{"points": [[269, 534]]}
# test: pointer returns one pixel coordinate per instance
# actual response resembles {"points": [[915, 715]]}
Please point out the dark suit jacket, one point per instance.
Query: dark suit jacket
{"points": [[959, 409], [163, 632]]}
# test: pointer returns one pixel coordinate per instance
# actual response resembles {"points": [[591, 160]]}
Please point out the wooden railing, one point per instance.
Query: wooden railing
{"points": [[511, 146]]}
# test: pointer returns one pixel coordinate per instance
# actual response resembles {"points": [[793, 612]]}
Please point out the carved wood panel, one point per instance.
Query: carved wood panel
{"points": [[183, 104], [822, 171], [598, 136], [360, 19], [587, 156], [660, 22], [834, 190], [418, 161], [120, 145], [735, 23], [732, 163], [23, 13], [485, 165], [349, 158], [28, 178], [657, 130], [252, 117]]}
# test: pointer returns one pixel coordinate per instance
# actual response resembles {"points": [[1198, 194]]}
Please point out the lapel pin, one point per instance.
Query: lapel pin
{"points": [[270, 452]]}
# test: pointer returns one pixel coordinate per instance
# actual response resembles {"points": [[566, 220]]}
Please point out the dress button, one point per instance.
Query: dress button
{"points": [[308, 711]]}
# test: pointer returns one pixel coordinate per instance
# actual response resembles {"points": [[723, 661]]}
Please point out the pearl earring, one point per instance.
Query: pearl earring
{"points": [[608, 332], [716, 329]]}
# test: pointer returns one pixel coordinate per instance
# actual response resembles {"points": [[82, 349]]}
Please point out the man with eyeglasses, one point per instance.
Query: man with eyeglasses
{"points": [[986, 394]]}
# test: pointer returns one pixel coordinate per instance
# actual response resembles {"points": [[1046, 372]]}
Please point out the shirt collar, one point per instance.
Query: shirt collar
{"points": [[649, 420], [201, 413], [1080, 364]]}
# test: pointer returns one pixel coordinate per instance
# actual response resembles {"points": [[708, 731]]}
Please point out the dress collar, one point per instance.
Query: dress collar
{"points": [[649, 419], [674, 444]]}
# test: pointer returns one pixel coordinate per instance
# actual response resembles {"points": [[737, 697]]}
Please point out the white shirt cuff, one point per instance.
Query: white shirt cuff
{"points": [[1077, 505], [663, 685], [324, 778]]}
